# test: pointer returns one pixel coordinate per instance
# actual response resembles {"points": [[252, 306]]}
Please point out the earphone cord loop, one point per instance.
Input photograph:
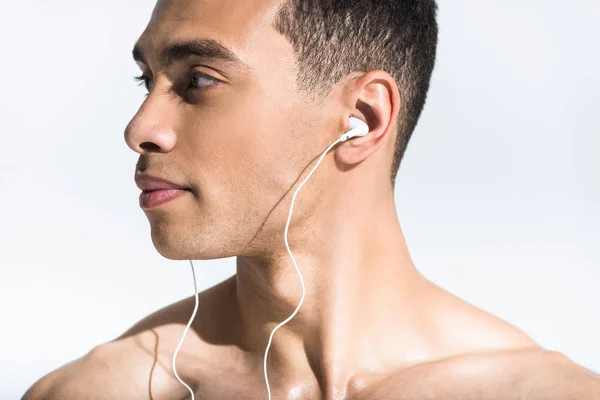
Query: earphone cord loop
{"points": [[295, 264]]}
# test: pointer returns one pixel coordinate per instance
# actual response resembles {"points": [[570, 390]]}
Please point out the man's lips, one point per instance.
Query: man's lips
{"points": [[154, 198], [157, 191], [150, 183]]}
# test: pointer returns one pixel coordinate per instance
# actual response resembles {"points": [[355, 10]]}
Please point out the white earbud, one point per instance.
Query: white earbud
{"points": [[357, 128]]}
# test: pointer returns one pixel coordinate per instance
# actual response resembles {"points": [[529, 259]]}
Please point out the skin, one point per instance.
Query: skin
{"points": [[371, 325]]}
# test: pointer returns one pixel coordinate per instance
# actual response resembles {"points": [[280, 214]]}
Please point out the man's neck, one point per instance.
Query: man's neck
{"points": [[364, 303]]}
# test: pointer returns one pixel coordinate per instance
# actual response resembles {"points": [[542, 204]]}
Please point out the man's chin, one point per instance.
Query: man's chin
{"points": [[173, 246], [170, 253], [168, 239]]}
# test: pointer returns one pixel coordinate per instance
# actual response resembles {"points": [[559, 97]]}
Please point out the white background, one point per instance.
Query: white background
{"points": [[498, 193]]}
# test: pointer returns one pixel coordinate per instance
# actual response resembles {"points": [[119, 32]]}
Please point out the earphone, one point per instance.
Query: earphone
{"points": [[358, 128]]}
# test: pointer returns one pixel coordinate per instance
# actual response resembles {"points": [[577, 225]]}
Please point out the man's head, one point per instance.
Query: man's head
{"points": [[245, 94]]}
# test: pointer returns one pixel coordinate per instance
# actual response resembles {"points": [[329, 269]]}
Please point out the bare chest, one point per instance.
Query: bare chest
{"points": [[414, 387], [443, 381]]}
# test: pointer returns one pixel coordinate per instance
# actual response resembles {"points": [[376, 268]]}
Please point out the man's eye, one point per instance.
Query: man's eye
{"points": [[146, 81], [199, 80]]}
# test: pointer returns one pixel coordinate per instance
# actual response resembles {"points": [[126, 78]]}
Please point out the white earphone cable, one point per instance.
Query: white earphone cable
{"points": [[185, 332], [295, 264]]}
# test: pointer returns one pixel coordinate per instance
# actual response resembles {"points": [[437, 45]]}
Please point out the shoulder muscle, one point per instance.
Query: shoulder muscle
{"points": [[108, 371]]}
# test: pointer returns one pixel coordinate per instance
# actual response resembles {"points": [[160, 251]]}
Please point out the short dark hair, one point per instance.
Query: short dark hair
{"points": [[333, 38]]}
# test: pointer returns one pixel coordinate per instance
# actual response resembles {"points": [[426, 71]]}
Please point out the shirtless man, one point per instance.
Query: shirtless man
{"points": [[240, 127]]}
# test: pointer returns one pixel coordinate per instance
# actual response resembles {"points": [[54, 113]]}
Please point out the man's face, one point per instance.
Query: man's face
{"points": [[238, 137]]}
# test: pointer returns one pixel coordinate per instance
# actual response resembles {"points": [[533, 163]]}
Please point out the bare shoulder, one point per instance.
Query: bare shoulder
{"points": [[556, 373], [464, 328], [108, 371], [481, 356], [136, 364], [532, 374]]}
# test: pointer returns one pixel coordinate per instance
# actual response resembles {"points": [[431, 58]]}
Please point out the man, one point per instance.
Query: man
{"points": [[244, 95]]}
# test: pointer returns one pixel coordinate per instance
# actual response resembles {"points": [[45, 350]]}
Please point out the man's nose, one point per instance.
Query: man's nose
{"points": [[150, 131]]}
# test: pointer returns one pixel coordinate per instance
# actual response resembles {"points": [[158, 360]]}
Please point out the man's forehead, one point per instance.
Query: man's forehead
{"points": [[177, 9], [183, 10], [233, 23]]}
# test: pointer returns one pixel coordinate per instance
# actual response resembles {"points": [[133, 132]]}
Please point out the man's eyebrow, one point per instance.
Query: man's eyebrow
{"points": [[208, 49]]}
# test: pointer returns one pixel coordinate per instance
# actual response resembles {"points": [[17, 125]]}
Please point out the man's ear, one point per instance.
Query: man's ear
{"points": [[374, 98]]}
